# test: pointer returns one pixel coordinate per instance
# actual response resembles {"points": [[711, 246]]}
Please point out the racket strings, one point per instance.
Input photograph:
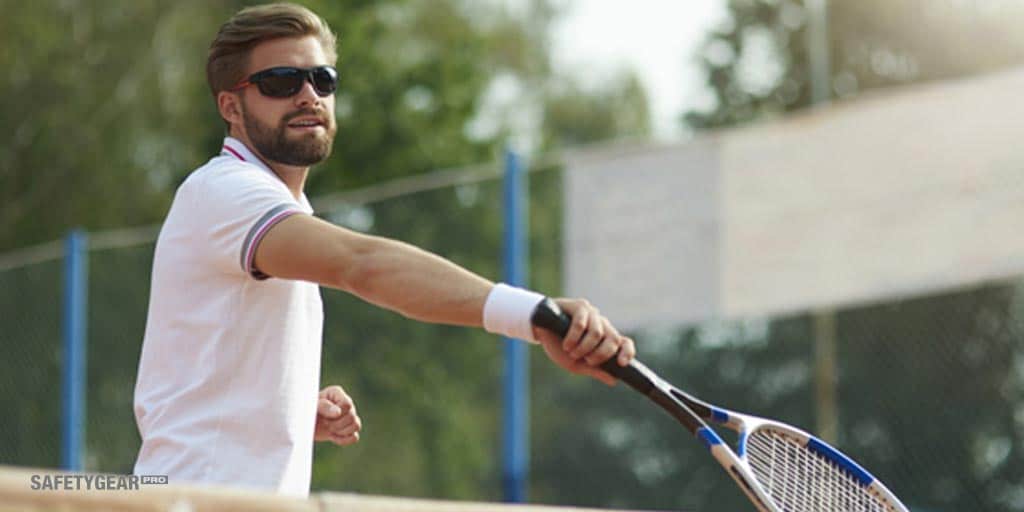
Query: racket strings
{"points": [[800, 480]]}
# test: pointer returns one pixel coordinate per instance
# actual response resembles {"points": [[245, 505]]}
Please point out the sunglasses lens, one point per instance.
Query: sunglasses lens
{"points": [[325, 80], [286, 82], [282, 83]]}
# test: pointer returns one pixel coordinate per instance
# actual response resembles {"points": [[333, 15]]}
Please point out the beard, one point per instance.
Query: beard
{"points": [[304, 150]]}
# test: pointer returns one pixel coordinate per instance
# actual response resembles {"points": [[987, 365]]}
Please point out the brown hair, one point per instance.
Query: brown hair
{"points": [[229, 52]]}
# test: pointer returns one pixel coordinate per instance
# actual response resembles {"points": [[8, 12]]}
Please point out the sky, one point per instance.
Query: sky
{"points": [[656, 38]]}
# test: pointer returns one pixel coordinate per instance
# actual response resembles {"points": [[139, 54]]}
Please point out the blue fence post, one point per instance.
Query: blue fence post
{"points": [[515, 447], [76, 278]]}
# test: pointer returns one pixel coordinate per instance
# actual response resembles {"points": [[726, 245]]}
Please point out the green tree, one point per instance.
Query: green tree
{"points": [[99, 103], [107, 109], [574, 116], [757, 64], [931, 362]]}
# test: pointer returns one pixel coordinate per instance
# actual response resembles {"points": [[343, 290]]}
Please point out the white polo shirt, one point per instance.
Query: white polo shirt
{"points": [[228, 379]]}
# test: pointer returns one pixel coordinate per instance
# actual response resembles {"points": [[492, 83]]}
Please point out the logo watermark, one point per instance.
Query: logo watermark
{"points": [[86, 482]]}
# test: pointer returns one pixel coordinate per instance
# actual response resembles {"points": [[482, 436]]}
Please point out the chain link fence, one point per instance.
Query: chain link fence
{"points": [[926, 392]]}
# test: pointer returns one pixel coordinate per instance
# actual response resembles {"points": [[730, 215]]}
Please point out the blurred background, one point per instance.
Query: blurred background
{"points": [[824, 199]]}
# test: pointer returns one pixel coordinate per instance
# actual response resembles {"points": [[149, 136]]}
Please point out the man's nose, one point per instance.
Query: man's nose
{"points": [[307, 95]]}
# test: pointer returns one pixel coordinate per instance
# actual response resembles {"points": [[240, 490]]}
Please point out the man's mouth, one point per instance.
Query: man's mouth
{"points": [[307, 123]]}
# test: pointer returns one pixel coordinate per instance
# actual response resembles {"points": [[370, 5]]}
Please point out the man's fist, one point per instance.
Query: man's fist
{"points": [[336, 417]]}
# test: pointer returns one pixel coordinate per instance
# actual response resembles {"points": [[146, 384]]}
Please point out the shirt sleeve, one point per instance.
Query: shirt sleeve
{"points": [[234, 209]]}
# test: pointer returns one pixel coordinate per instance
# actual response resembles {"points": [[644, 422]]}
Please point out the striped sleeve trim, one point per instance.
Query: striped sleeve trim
{"points": [[256, 233]]}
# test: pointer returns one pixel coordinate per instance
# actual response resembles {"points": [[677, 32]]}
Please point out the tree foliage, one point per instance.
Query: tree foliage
{"points": [[100, 105], [106, 106], [757, 64], [106, 110], [938, 425], [575, 116]]}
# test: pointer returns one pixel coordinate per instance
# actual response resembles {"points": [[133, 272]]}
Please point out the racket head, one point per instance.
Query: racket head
{"points": [[794, 471], [814, 477]]}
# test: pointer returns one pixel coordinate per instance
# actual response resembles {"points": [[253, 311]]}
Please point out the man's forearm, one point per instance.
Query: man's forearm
{"points": [[417, 284]]}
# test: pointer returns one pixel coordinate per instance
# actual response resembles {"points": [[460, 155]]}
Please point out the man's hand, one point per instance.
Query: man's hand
{"points": [[591, 340], [336, 418]]}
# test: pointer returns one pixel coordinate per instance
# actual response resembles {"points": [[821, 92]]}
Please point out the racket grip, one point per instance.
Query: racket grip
{"points": [[548, 315]]}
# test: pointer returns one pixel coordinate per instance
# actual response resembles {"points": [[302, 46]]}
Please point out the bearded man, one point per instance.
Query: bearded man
{"points": [[228, 387]]}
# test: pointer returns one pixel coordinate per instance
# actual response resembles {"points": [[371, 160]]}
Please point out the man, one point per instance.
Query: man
{"points": [[227, 390]]}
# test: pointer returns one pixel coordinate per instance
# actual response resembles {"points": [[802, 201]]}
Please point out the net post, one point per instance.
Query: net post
{"points": [[826, 375], [819, 50], [515, 442], [76, 257]]}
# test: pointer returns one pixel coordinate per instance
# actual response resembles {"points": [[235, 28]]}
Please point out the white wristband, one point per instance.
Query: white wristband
{"points": [[508, 310]]}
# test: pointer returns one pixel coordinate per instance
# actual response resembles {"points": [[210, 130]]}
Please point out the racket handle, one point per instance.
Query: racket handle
{"points": [[548, 315]]}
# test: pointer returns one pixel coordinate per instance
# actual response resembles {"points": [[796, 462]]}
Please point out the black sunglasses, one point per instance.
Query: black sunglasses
{"points": [[285, 82]]}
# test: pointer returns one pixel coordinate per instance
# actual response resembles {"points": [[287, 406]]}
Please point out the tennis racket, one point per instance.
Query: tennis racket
{"points": [[779, 467]]}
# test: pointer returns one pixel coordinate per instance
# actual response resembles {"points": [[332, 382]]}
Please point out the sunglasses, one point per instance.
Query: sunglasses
{"points": [[285, 82]]}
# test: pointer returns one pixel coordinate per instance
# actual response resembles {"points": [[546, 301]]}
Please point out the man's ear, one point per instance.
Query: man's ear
{"points": [[230, 106]]}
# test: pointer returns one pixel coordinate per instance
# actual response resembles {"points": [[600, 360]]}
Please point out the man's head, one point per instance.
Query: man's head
{"points": [[270, 72]]}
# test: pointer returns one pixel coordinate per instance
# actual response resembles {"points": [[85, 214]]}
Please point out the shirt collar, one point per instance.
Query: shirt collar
{"points": [[237, 149]]}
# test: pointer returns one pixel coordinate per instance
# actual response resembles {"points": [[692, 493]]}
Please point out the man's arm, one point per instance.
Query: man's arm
{"points": [[387, 273], [426, 287]]}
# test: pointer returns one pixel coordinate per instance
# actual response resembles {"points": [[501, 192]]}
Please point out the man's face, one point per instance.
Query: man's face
{"points": [[279, 128]]}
